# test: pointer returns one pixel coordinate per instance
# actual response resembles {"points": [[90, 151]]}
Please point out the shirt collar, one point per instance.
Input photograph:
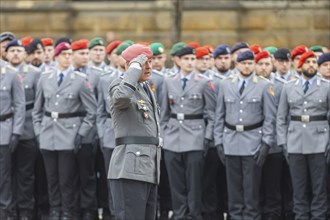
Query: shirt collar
{"points": [[65, 72], [187, 76], [311, 80]]}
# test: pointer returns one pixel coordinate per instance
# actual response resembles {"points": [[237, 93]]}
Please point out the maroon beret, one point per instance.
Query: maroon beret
{"points": [[62, 46], [135, 50]]}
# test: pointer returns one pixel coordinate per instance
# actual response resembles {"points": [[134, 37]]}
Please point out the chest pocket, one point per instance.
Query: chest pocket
{"points": [[172, 99], [254, 103], [29, 92], [320, 103], [196, 98], [144, 113], [230, 104], [70, 97]]}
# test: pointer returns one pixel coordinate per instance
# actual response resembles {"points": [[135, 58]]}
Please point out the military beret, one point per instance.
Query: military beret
{"points": [[210, 47], [298, 50], [262, 55], [304, 57], [121, 48], [202, 51], [157, 48], [26, 40], [239, 45], [135, 50], [34, 45], [14, 43], [222, 49], [193, 44], [144, 43], [246, 55], [282, 54], [47, 41], [96, 41], [111, 46], [61, 40], [185, 51], [61, 47], [316, 48], [79, 44], [255, 48], [176, 47], [6, 36], [323, 58], [271, 49]]}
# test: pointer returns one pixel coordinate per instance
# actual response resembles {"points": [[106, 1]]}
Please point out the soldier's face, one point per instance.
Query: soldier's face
{"points": [[64, 59], [49, 54], [80, 58], [158, 62], [234, 55], [16, 55], [223, 62], [37, 57], [3, 45], [309, 68], [187, 63], [246, 67], [264, 67], [324, 69], [146, 71], [97, 54], [113, 58], [210, 63], [282, 66], [202, 63]]}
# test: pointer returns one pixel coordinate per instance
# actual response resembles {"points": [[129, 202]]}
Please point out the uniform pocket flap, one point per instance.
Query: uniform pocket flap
{"points": [[229, 99], [322, 129], [254, 99], [195, 96]]}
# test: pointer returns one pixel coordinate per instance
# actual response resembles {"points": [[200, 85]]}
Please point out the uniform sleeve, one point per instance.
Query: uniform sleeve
{"points": [[37, 113], [18, 105], [329, 108], [122, 94], [165, 107], [269, 110], [209, 109], [101, 115], [282, 115], [219, 121], [89, 102]]}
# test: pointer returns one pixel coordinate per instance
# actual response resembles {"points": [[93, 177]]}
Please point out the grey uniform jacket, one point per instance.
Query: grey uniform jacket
{"points": [[12, 100], [74, 92], [104, 122], [304, 137], [31, 77], [256, 104], [134, 114], [198, 98]]}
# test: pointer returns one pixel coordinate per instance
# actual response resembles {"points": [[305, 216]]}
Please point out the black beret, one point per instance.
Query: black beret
{"points": [[14, 43], [246, 55], [282, 54], [222, 49], [238, 46], [185, 51], [323, 58], [34, 45], [62, 39]]}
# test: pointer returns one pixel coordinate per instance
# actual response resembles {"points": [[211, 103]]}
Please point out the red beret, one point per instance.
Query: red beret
{"points": [[79, 44], [62, 46], [262, 55], [26, 40], [255, 48], [202, 51], [210, 47], [193, 44], [47, 41], [113, 45], [135, 50], [298, 50], [145, 43], [304, 57]]}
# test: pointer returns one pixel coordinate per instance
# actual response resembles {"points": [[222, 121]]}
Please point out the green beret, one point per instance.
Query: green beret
{"points": [[130, 42], [271, 49], [121, 48], [176, 47], [316, 48], [157, 48], [97, 41]]}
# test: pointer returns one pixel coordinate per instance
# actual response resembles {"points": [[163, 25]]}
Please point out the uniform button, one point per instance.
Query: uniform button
{"points": [[241, 111], [320, 100], [305, 110], [74, 125], [57, 96], [241, 102], [260, 131], [254, 100], [55, 119], [305, 102], [138, 153], [26, 86], [240, 119], [304, 125], [4, 88], [56, 103], [180, 122], [182, 98], [181, 106]]}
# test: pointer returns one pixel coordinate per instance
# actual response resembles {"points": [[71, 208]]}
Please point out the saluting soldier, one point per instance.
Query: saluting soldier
{"points": [[64, 113], [12, 115], [135, 162], [187, 97], [243, 132], [303, 131]]}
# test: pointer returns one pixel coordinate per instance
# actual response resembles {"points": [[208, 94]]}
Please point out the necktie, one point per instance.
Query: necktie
{"points": [[242, 88], [60, 80], [184, 80], [306, 86], [145, 87]]}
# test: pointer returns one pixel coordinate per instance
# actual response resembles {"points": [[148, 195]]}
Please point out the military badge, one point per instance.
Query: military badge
{"points": [[271, 90], [146, 115]]}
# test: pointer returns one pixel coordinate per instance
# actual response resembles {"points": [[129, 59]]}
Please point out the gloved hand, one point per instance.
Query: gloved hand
{"points": [[141, 59], [261, 155], [13, 143], [207, 143], [285, 152], [95, 144], [38, 140], [101, 143], [77, 143], [221, 153], [327, 153]]}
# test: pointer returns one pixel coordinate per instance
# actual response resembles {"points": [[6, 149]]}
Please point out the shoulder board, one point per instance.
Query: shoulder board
{"points": [[97, 68], [158, 72], [46, 72], [33, 68], [262, 77], [280, 79], [80, 74], [203, 76], [105, 73], [219, 76], [11, 68], [324, 80]]}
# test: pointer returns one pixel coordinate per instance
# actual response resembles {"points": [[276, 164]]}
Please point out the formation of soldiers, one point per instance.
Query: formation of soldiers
{"points": [[245, 129]]}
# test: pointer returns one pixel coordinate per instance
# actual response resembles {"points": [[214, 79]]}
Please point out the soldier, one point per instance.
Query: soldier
{"points": [[49, 51], [295, 57], [236, 49], [64, 113], [97, 53], [303, 132], [324, 65], [255, 48], [175, 59], [36, 54], [187, 97], [5, 38], [24, 157], [317, 49], [112, 56], [222, 60], [272, 50], [243, 132], [135, 162], [12, 114]]}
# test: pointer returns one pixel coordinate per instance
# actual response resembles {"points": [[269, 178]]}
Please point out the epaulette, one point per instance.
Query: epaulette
{"points": [[11, 68], [219, 76], [280, 79], [46, 72], [105, 73], [264, 78], [203, 76], [80, 74], [97, 68], [325, 80], [158, 72], [33, 68]]}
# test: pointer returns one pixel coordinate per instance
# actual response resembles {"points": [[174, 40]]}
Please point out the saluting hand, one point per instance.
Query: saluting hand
{"points": [[141, 59]]}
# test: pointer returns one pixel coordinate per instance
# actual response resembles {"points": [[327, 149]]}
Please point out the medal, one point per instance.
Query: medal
{"points": [[146, 115]]}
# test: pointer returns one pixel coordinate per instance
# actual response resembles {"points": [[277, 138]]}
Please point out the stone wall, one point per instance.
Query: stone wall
{"points": [[278, 23]]}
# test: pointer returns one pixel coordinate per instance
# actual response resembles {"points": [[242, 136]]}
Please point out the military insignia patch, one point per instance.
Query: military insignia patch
{"points": [[88, 85], [20, 78], [211, 85], [271, 90], [152, 87], [145, 115]]}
